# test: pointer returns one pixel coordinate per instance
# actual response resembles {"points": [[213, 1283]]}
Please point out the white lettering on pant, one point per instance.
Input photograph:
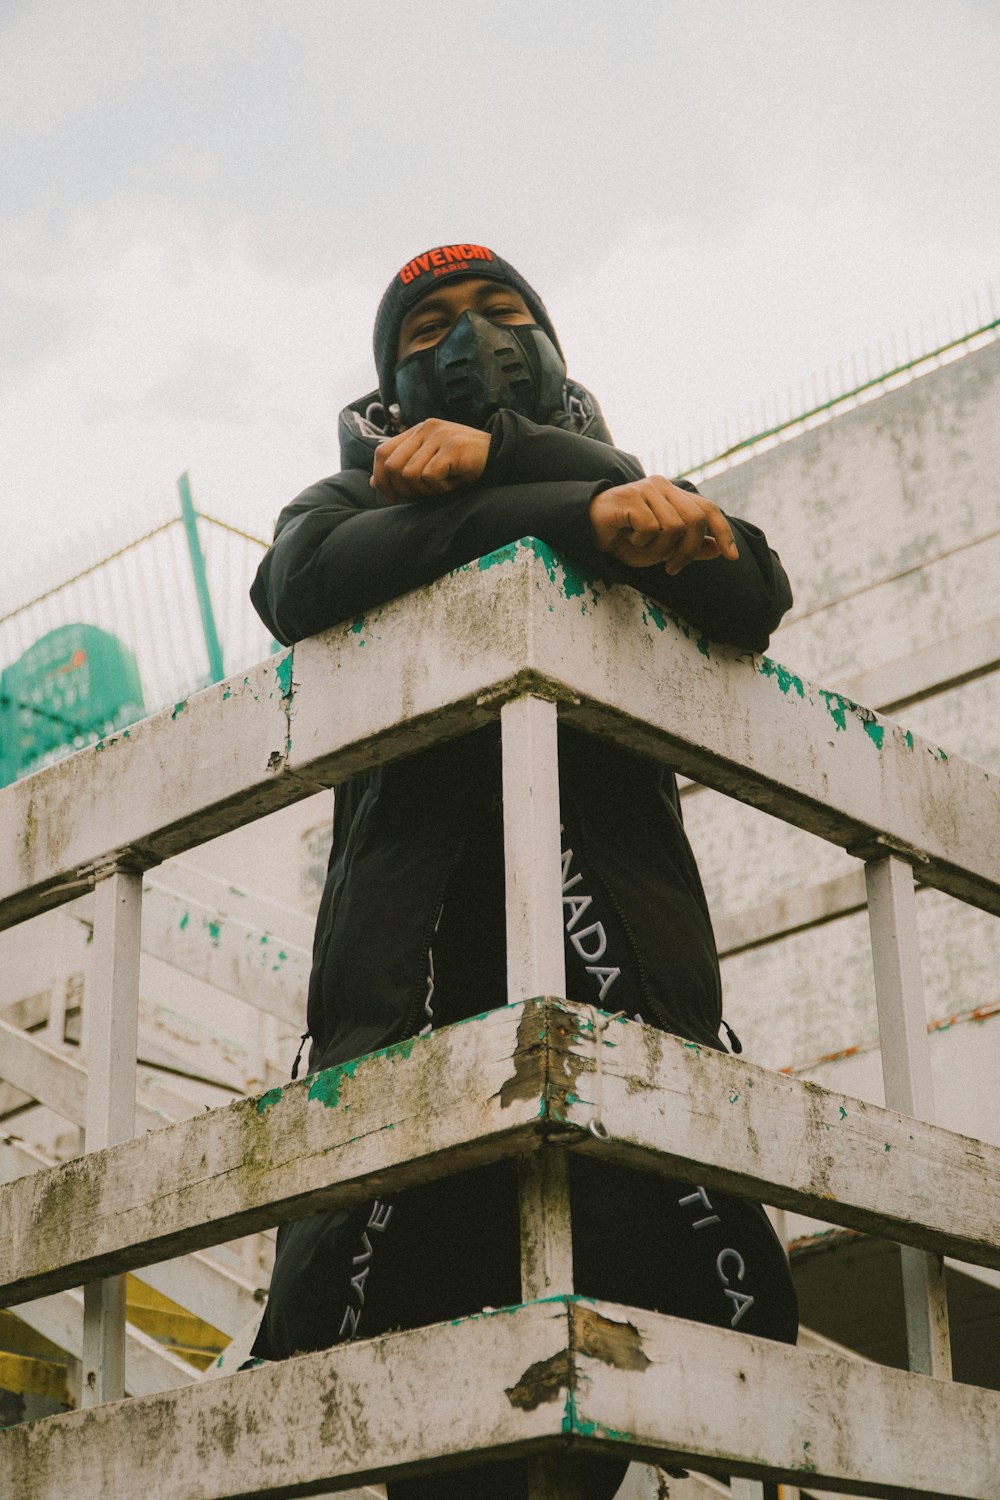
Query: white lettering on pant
{"points": [[382, 1212], [739, 1301], [575, 906], [377, 1220]]}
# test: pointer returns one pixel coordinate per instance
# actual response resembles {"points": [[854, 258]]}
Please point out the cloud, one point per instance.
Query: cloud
{"points": [[153, 340]]}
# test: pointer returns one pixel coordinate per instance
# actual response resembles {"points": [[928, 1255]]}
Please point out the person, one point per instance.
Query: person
{"points": [[476, 436]]}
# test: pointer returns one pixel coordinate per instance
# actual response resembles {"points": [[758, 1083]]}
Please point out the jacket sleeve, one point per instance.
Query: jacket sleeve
{"points": [[522, 452], [339, 551], [737, 603]]}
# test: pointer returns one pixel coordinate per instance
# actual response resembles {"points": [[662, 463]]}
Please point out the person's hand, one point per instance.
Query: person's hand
{"points": [[652, 521], [433, 458]]}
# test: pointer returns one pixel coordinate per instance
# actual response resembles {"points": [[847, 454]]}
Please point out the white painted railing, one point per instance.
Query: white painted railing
{"points": [[521, 636]]}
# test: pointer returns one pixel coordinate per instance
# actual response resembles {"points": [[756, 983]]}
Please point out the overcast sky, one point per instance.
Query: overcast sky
{"points": [[201, 202]]}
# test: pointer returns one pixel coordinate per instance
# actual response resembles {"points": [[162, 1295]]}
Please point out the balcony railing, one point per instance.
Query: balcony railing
{"points": [[521, 636]]}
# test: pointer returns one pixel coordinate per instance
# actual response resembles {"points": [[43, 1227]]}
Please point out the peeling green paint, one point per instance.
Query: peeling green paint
{"points": [[733, 1097], [494, 559], [185, 920], [569, 580], [273, 1096], [572, 1422], [836, 707], [325, 1087], [655, 613], [785, 679], [693, 1047], [843, 1113], [283, 672], [908, 739], [941, 755], [214, 930], [179, 708], [875, 732], [702, 645], [887, 1146], [808, 1465], [227, 694]]}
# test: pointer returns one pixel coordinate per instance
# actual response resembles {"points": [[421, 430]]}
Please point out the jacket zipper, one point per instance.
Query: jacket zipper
{"points": [[413, 1012]]}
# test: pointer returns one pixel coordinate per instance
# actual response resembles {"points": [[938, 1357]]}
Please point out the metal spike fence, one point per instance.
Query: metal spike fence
{"points": [[767, 423], [143, 591]]}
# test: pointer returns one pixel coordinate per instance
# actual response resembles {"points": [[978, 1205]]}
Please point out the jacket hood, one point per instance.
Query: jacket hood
{"points": [[363, 424]]}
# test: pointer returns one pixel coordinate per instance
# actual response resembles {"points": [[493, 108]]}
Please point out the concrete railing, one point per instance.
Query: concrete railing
{"points": [[524, 637]]}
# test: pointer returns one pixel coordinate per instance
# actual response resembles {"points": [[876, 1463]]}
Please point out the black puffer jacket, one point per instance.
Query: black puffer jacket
{"points": [[399, 831], [416, 867]]}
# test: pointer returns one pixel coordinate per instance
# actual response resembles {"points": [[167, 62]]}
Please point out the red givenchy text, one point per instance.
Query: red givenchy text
{"points": [[447, 258]]}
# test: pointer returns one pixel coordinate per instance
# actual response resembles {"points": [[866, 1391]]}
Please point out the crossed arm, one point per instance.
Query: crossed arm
{"points": [[643, 523], [442, 495]]}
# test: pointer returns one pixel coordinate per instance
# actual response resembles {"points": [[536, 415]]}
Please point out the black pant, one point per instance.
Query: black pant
{"points": [[450, 1248]]}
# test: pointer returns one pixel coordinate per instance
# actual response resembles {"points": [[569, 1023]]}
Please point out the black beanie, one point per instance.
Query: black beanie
{"points": [[416, 279]]}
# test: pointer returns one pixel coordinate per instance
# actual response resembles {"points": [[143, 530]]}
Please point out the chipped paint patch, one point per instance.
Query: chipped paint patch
{"points": [[570, 582], [836, 707], [702, 645], [542, 1382], [185, 919], [264, 1103], [283, 672], [325, 1087], [214, 930], [875, 732], [591, 1334], [179, 708], [504, 554], [786, 680]]}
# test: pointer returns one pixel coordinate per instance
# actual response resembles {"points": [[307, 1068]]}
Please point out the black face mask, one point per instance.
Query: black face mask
{"points": [[479, 368]]}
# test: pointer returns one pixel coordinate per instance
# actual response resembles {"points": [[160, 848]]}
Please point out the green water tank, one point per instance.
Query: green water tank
{"points": [[73, 686]]}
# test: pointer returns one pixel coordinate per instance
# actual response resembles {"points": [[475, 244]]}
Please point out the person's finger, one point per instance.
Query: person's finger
{"points": [[390, 457], [721, 531], [657, 530], [707, 532]]}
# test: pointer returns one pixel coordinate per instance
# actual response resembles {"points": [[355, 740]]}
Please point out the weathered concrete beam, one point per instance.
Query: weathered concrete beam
{"points": [[440, 662], [809, 906], [960, 658], [754, 729], [148, 1365], [259, 965], [549, 1375], [482, 1090], [211, 1292], [476, 1089], [232, 939], [678, 1108], [54, 1080], [225, 756]]}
